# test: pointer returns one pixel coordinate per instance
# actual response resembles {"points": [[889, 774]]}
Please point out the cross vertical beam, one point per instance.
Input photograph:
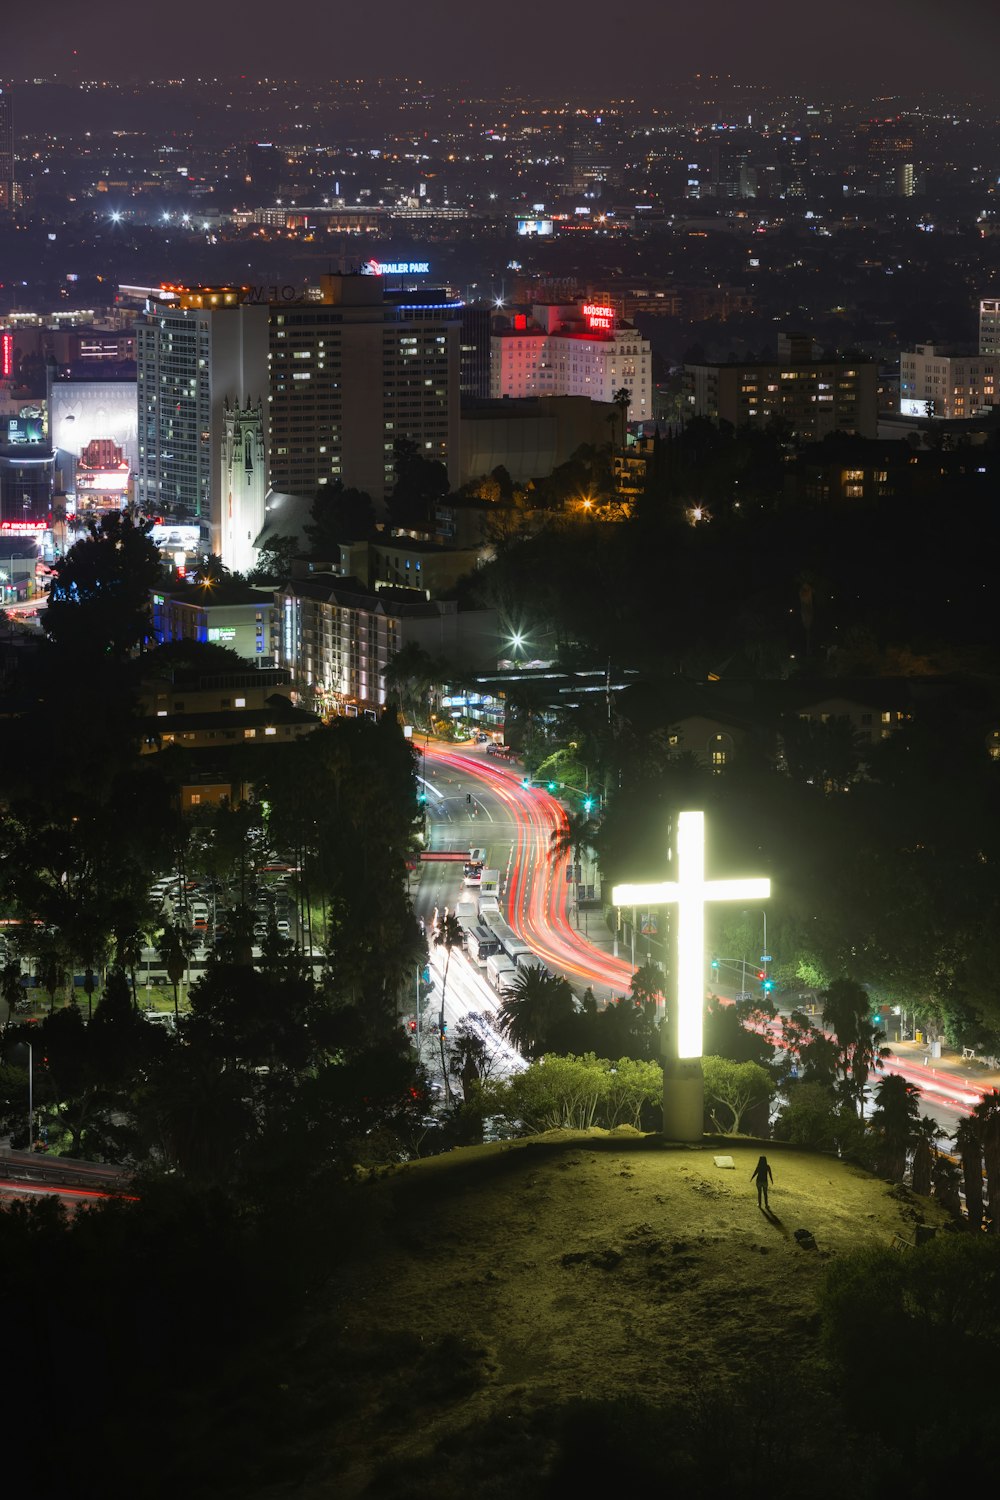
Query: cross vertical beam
{"points": [[689, 893]]}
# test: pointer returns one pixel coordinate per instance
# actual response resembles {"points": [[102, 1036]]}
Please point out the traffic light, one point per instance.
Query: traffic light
{"points": [[413, 1026], [588, 804], [715, 962], [551, 785], [468, 798], [767, 986], [761, 975], [525, 780], [876, 1019]]}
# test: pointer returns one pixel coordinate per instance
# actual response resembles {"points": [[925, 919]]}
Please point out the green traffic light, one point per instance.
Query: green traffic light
{"points": [[551, 786]]}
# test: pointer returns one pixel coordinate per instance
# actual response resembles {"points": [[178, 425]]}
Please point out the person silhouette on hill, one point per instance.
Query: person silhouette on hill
{"points": [[762, 1172]]}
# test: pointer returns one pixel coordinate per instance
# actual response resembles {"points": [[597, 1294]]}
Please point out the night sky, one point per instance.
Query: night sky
{"points": [[553, 46]]}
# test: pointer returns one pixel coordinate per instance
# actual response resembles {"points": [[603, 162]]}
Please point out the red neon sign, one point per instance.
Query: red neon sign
{"points": [[6, 355], [24, 527], [598, 316]]}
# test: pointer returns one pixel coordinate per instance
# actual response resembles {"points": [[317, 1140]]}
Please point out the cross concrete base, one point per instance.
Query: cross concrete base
{"points": [[683, 1099]]}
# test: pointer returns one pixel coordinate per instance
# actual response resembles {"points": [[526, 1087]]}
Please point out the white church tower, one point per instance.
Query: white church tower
{"points": [[244, 484]]}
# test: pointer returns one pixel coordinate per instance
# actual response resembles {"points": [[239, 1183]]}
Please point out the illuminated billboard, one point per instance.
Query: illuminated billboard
{"points": [[176, 538], [6, 355], [397, 268], [82, 412], [910, 408], [24, 430], [534, 226]]}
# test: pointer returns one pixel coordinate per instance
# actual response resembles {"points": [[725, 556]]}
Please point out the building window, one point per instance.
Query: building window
{"points": [[195, 798]]}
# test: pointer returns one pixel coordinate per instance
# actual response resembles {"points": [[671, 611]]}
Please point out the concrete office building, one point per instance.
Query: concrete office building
{"points": [[352, 374], [989, 326], [814, 396], [194, 352], [9, 193], [935, 384]]}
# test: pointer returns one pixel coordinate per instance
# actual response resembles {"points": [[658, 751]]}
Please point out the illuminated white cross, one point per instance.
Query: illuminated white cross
{"points": [[690, 892]]}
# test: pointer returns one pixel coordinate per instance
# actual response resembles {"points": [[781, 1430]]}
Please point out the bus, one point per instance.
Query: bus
{"points": [[481, 944]]}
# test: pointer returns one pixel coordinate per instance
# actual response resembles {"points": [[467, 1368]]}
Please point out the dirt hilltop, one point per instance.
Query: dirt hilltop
{"points": [[499, 1282]]}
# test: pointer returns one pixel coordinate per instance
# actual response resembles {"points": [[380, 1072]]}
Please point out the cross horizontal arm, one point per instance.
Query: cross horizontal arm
{"points": [[646, 895], [736, 890]]}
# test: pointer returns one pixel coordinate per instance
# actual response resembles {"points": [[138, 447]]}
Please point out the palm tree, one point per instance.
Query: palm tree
{"points": [[946, 1184], [847, 1011], [534, 1008], [175, 944], [574, 835], [895, 1120], [923, 1156], [987, 1114], [968, 1139], [449, 935], [623, 400], [48, 947]]}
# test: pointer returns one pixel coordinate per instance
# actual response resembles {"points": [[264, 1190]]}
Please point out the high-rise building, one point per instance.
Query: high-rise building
{"points": [[350, 376], [244, 484], [577, 349], [193, 354], [989, 326], [8, 185], [933, 383]]}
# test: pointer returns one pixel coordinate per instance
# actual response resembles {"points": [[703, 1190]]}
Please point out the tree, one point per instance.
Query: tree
{"points": [[175, 945], [847, 1009], [968, 1139], [574, 1093], [737, 1087], [572, 836], [810, 1117], [419, 483], [410, 673], [339, 515], [924, 1152], [894, 1121], [987, 1116], [448, 935], [99, 601], [274, 560], [473, 1056], [623, 400], [536, 1008]]}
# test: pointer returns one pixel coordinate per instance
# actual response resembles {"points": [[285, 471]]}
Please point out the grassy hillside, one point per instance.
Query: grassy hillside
{"points": [[579, 1309]]}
